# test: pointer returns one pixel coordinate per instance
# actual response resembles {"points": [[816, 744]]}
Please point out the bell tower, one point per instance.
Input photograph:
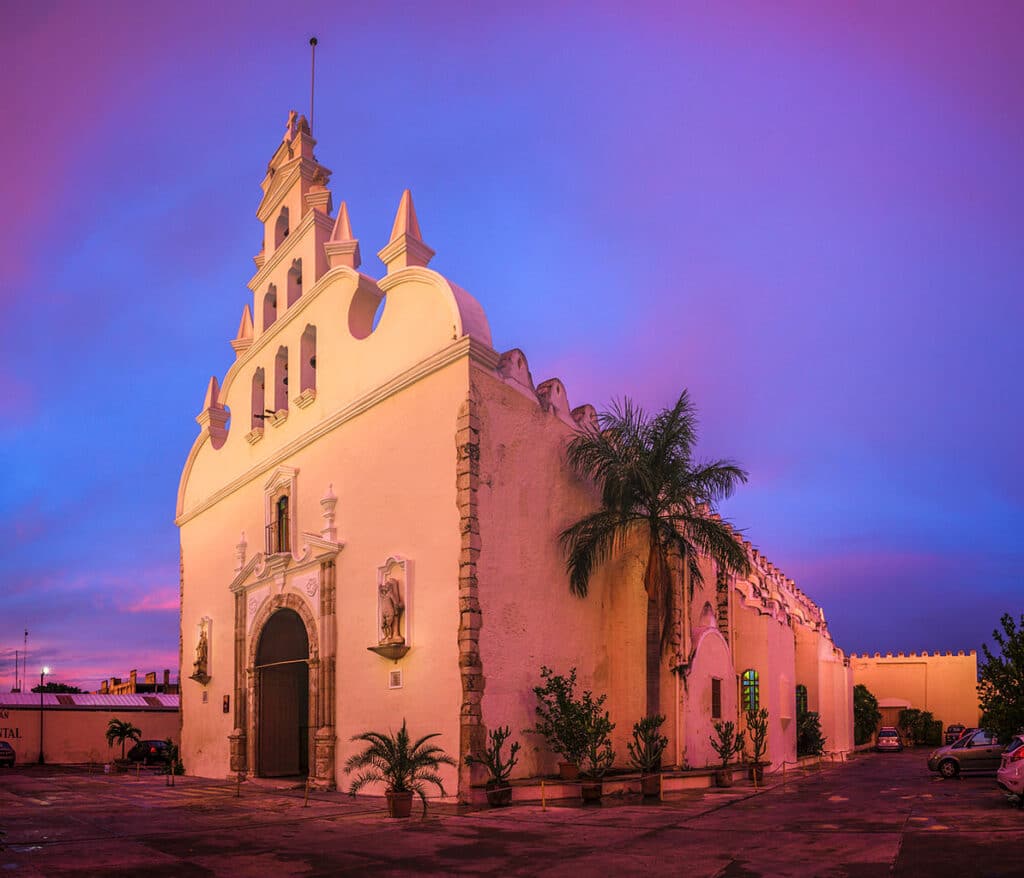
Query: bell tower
{"points": [[296, 214]]}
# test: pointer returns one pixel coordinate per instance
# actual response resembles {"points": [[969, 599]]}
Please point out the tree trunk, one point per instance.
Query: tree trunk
{"points": [[653, 658]]}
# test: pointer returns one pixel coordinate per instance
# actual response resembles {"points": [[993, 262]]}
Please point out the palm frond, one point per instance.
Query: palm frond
{"points": [[590, 542]]}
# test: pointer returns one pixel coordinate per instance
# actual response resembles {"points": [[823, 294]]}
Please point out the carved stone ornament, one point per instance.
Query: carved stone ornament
{"points": [[392, 594], [201, 665]]}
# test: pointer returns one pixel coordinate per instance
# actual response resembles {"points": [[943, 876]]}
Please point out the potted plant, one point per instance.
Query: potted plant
{"points": [[757, 729], [598, 755], [121, 732], [403, 766], [499, 792], [729, 743], [560, 719], [645, 751]]}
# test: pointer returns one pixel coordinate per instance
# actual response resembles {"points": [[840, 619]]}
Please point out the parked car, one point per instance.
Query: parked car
{"points": [[978, 751], [1011, 772], [888, 740], [954, 732], [149, 752], [7, 754]]}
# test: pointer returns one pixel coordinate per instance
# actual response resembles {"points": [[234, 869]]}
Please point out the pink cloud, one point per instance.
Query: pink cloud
{"points": [[161, 599]]}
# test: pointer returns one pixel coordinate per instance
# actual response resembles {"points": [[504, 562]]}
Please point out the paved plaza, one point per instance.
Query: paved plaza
{"points": [[877, 815]]}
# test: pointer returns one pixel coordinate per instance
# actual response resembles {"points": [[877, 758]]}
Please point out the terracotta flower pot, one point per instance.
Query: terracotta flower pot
{"points": [[568, 771], [499, 797], [723, 777], [650, 784], [399, 803], [591, 790]]}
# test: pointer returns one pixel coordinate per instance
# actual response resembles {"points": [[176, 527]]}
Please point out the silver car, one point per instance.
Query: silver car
{"points": [[978, 751], [1011, 772], [888, 740]]}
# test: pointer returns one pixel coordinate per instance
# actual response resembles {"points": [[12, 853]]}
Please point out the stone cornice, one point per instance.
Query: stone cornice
{"points": [[466, 347]]}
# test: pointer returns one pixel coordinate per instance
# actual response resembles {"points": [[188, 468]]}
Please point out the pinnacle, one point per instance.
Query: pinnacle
{"points": [[245, 324], [342, 226], [405, 220]]}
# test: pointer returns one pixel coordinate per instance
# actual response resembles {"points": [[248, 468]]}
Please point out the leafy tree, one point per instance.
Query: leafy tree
{"points": [[122, 731], [652, 489], [58, 689], [866, 715], [916, 725], [1001, 686], [809, 739]]}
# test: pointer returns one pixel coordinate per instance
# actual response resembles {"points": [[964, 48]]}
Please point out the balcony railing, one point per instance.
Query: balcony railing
{"points": [[277, 537]]}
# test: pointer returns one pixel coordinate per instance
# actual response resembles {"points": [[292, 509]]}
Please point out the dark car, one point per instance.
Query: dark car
{"points": [[7, 755], [954, 732], [978, 751], [150, 752]]}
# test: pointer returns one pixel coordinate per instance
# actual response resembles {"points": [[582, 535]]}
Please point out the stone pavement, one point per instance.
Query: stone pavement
{"points": [[879, 815]]}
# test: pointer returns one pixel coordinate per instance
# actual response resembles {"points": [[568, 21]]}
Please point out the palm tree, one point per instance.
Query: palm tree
{"points": [[401, 766], [652, 489], [121, 731]]}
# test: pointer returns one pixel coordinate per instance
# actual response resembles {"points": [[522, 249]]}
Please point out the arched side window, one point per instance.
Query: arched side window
{"points": [[294, 282], [801, 700], [307, 360], [281, 380], [750, 691], [258, 399], [270, 307], [281, 228]]}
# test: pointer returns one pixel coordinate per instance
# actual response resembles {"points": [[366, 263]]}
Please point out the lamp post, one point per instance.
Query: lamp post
{"points": [[42, 675]]}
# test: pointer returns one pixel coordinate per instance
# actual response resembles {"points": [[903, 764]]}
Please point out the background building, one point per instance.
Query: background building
{"points": [[944, 684], [131, 686]]}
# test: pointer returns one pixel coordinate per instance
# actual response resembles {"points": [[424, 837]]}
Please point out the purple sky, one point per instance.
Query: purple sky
{"points": [[810, 217]]}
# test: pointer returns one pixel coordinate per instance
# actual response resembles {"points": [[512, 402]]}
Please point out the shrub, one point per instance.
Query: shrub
{"points": [[757, 729], [866, 715], [648, 744], [729, 742], [809, 740], [560, 715]]}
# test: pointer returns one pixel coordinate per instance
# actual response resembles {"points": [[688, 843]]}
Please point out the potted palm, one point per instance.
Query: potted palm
{"points": [[645, 751], [728, 744], [499, 792], [561, 720], [598, 755], [757, 729], [402, 765]]}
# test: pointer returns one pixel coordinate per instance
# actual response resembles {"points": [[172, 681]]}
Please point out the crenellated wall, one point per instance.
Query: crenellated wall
{"points": [[943, 683]]}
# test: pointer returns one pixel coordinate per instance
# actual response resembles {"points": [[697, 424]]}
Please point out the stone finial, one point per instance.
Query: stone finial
{"points": [[327, 503], [240, 553], [243, 340], [342, 248], [406, 247], [213, 416]]}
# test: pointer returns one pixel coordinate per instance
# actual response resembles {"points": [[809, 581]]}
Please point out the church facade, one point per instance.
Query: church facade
{"points": [[369, 520]]}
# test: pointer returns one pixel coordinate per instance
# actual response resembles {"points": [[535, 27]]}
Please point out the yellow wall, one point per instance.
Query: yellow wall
{"points": [[945, 685], [71, 735]]}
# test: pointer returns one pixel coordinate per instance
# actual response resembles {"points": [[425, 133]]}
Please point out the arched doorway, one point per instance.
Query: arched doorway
{"points": [[282, 696]]}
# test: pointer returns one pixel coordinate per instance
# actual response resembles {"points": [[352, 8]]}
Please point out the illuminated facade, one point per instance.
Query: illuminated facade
{"points": [[369, 522]]}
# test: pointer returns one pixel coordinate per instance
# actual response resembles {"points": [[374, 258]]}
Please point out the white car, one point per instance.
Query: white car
{"points": [[1011, 772]]}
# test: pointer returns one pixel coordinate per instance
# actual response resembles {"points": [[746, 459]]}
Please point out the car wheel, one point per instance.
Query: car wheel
{"points": [[949, 769]]}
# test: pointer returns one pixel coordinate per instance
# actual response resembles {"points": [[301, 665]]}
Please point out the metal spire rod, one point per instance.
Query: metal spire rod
{"points": [[312, 78]]}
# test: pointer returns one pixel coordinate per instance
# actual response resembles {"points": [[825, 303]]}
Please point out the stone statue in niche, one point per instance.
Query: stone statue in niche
{"points": [[201, 665], [391, 608]]}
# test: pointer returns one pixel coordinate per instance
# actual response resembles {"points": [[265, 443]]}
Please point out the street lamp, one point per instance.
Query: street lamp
{"points": [[42, 674]]}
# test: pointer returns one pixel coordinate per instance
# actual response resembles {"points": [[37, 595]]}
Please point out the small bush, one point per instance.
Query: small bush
{"points": [[809, 740]]}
